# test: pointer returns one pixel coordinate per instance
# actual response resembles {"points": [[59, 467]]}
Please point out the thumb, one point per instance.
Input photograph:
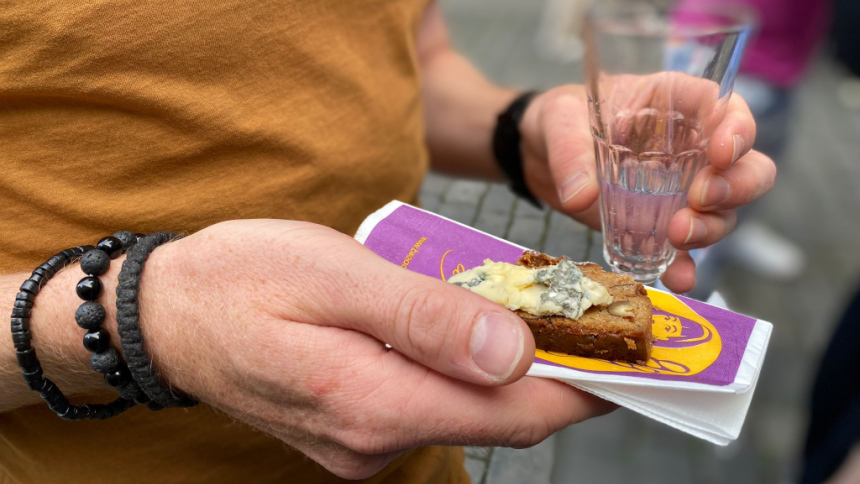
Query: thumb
{"points": [[560, 132], [439, 325]]}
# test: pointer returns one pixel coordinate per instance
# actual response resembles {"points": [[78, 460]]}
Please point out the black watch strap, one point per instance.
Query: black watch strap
{"points": [[506, 146]]}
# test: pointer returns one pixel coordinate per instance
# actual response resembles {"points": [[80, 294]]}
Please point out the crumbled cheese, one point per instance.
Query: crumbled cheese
{"points": [[551, 290]]}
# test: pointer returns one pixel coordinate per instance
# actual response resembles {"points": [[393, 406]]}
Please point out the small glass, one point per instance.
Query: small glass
{"points": [[658, 82]]}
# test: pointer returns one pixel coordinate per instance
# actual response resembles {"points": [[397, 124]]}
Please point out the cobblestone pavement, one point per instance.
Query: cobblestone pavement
{"points": [[815, 203]]}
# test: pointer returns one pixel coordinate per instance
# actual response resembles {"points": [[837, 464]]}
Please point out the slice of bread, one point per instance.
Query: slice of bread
{"points": [[598, 333]]}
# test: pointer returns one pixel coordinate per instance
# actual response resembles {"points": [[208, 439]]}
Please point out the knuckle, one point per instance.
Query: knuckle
{"points": [[528, 434], [559, 102], [422, 317]]}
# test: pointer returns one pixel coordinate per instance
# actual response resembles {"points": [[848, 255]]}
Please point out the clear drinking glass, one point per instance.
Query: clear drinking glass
{"points": [[658, 82]]}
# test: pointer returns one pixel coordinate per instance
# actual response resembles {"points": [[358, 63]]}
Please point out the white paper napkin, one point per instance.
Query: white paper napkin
{"points": [[706, 395]]}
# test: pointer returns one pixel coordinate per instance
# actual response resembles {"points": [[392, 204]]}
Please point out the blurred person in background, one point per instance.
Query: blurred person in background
{"points": [[832, 450], [846, 42], [774, 62]]}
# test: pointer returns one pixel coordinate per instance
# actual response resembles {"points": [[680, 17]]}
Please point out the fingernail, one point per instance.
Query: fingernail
{"points": [[698, 231], [716, 191], [497, 344], [572, 185], [737, 147]]}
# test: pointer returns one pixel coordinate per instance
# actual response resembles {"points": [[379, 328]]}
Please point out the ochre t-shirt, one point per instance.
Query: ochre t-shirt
{"points": [[149, 115]]}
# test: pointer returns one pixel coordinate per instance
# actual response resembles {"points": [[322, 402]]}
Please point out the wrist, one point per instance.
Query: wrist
{"points": [[508, 146], [59, 340], [163, 321]]}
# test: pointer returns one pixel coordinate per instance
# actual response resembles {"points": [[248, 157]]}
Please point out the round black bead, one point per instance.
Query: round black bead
{"points": [[97, 340], [90, 315], [126, 237], [95, 262], [111, 246], [117, 378], [89, 288], [105, 362]]}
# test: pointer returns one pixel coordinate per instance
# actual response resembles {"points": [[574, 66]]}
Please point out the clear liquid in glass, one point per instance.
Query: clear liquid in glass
{"points": [[640, 192]]}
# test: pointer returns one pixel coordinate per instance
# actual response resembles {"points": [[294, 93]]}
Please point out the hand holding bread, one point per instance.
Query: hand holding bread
{"points": [[282, 325]]}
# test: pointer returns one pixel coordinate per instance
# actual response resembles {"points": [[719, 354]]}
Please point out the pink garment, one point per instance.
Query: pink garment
{"points": [[786, 36]]}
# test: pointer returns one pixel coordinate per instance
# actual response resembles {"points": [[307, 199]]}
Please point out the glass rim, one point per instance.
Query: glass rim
{"points": [[738, 17]]}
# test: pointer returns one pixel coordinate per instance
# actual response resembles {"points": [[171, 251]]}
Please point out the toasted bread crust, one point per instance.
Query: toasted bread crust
{"points": [[598, 333]]}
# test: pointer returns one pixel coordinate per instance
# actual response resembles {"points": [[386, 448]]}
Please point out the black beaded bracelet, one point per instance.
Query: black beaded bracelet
{"points": [[128, 323], [91, 314], [31, 369]]}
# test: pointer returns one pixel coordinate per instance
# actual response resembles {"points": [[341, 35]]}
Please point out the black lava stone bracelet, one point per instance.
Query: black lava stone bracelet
{"points": [[31, 369], [91, 314], [128, 324]]}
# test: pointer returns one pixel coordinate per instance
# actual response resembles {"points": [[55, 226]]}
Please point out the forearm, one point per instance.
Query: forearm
{"points": [[55, 336], [460, 106]]}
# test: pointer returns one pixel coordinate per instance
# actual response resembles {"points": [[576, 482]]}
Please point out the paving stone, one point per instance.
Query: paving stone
{"points": [[659, 465], [429, 202], [461, 212], [493, 223], [527, 231], [517, 466], [785, 378], [499, 199], [466, 192], [779, 429], [662, 453], [566, 237], [595, 250], [735, 463], [525, 209], [476, 469], [667, 438], [435, 184], [478, 452], [594, 451]]}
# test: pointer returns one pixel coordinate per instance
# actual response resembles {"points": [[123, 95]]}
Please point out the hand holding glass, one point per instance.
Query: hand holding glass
{"points": [[658, 83]]}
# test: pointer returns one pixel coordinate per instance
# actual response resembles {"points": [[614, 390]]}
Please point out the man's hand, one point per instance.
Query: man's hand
{"points": [[560, 169], [282, 325]]}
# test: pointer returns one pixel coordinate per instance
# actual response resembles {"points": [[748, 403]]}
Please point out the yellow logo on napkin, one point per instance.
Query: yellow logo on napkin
{"points": [[685, 343]]}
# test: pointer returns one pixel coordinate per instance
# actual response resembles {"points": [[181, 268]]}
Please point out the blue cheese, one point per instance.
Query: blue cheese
{"points": [[551, 290]]}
